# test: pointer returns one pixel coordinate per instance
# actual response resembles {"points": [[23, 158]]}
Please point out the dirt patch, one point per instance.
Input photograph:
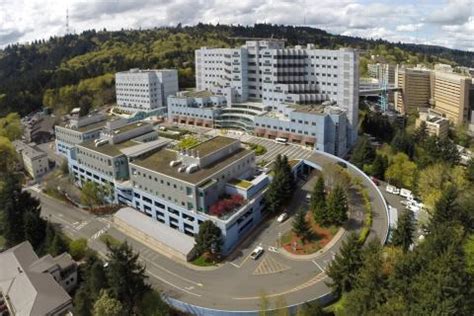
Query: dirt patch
{"points": [[320, 237]]}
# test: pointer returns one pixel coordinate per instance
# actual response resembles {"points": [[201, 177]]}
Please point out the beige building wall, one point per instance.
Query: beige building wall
{"points": [[36, 166], [451, 96], [416, 90]]}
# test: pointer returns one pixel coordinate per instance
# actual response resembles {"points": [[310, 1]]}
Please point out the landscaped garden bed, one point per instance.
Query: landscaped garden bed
{"points": [[320, 237]]}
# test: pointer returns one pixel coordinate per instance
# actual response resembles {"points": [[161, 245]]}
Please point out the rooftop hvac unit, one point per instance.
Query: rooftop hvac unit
{"points": [[182, 169], [175, 163], [192, 168]]}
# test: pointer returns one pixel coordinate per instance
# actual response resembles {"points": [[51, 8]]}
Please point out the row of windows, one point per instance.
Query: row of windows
{"points": [[192, 115], [286, 129]]}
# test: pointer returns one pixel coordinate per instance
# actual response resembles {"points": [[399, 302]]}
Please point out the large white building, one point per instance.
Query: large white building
{"points": [[265, 88], [145, 90]]}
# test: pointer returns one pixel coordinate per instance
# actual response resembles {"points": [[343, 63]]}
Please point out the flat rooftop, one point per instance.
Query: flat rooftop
{"points": [[160, 162], [308, 108], [111, 150], [212, 145], [196, 94], [129, 127], [92, 126]]}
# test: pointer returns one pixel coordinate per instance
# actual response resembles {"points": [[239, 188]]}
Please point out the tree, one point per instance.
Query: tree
{"points": [[421, 133], [107, 305], [10, 126], [368, 292], [300, 226], [402, 142], [58, 246], [446, 208], [35, 227], [126, 276], [77, 248], [90, 194], [379, 166], [282, 185], [96, 277], [8, 154], [83, 304], [337, 207], [404, 233], [345, 266], [209, 238], [311, 309], [470, 171], [318, 201], [363, 153], [401, 171]]}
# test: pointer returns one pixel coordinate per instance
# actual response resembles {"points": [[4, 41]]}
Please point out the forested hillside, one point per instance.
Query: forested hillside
{"points": [[64, 72]]}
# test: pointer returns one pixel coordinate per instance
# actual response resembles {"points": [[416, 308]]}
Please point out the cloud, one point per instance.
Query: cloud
{"points": [[396, 20], [409, 27], [454, 12]]}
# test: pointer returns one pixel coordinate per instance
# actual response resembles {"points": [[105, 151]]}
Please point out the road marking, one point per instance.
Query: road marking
{"points": [[269, 265], [100, 232], [313, 281], [237, 266], [317, 264], [169, 283]]}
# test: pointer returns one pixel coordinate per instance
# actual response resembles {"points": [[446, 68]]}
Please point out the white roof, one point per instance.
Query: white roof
{"points": [[172, 238]]}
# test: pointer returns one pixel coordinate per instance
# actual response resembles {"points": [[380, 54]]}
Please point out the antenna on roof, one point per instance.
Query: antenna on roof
{"points": [[67, 21]]}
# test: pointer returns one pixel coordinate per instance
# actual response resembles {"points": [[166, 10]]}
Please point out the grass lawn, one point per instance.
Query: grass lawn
{"points": [[111, 240], [320, 237], [202, 261]]}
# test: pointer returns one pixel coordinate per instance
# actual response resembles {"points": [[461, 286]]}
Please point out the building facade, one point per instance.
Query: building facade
{"points": [[33, 160], [415, 87], [145, 90], [384, 73], [436, 125], [274, 75], [453, 96]]}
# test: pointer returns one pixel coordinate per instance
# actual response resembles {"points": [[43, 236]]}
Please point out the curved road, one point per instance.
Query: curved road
{"points": [[238, 284]]}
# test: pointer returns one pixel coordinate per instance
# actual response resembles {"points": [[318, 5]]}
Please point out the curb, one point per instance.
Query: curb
{"points": [[317, 254]]}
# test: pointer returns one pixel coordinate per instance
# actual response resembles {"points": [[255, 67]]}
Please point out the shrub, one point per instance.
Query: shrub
{"points": [[78, 248]]}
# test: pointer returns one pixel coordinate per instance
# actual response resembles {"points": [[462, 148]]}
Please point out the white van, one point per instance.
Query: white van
{"points": [[281, 140], [392, 189], [406, 194]]}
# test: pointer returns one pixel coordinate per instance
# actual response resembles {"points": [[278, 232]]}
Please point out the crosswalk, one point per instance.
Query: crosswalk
{"points": [[100, 232], [269, 265], [273, 149]]}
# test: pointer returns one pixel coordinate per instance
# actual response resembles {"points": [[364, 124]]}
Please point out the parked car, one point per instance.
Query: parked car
{"points": [[392, 189], [308, 197], [406, 194], [283, 217], [375, 181], [257, 252]]}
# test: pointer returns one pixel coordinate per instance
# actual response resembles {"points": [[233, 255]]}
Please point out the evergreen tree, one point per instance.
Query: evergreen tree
{"points": [[281, 188], [363, 153], [404, 233], [446, 209], [300, 226], [318, 201], [34, 225], [337, 206], [83, 304], [311, 309], [96, 278], [345, 266], [209, 238], [470, 171], [402, 142], [368, 292], [126, 277], [379, 166], [58, 246], [421, 133]]}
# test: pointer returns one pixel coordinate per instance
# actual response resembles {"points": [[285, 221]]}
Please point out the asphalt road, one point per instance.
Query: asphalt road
{"points": [[240, 282]]}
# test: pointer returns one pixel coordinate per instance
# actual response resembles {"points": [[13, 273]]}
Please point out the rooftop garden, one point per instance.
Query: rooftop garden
{"points": [[244, 184], [226, 205]]}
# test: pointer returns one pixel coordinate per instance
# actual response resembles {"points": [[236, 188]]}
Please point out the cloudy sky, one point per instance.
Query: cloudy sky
{"points": [[447, 23]]}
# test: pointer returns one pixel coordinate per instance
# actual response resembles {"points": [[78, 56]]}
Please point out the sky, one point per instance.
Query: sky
{"points": [[448, 23]]}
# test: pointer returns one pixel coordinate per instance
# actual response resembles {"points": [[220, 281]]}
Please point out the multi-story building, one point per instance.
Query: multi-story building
{"points": [[181, 189], [35, 286], [78, 129], [435, 124], [453, 96], [384, 73], [415, 89], [105, 159], [34, 161], [145, 90], [263, 79]]}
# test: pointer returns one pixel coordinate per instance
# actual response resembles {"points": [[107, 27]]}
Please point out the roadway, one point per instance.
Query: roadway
{"points": [[239, 283]]}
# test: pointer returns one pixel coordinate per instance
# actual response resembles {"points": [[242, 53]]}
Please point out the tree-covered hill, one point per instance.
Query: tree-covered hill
{"points": [[76, 69]]}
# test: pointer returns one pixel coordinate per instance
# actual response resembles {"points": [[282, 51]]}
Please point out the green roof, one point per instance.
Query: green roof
{"points": [[211, 145], [92, 126], [160, 163], [197, 94], [111, 150], [244, 184]]}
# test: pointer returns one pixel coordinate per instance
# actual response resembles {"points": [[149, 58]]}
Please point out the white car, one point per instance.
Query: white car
{"points": [[257, 252], [392, 189], [406, 194], [283, 217], [308, 197]]}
